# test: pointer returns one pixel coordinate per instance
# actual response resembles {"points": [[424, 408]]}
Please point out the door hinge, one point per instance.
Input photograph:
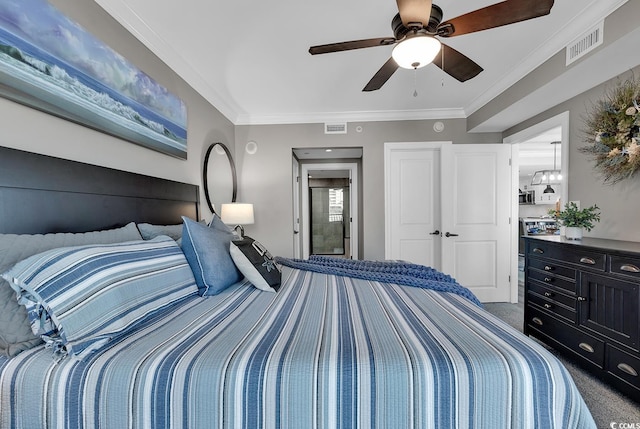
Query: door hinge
{"points": [[297, 179], [509, 220], [509, 161], [509, 278]]}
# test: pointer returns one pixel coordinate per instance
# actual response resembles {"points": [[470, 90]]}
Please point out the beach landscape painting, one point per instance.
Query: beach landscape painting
{"points": [[51, 63]]}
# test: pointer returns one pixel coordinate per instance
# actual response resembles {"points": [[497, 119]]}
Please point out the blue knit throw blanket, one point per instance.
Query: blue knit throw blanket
{"points": [[402, 273]]}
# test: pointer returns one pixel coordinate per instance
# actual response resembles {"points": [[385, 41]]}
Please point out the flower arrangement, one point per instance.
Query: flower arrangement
{"points": [[574, 217], [613, 127]]}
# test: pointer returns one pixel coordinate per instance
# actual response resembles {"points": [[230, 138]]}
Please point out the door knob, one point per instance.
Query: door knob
{"points": [[436, 232], [449, 234]]}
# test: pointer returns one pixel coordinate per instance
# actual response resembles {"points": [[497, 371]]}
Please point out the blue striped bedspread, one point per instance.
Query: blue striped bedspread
{"points": [[324, 352]]}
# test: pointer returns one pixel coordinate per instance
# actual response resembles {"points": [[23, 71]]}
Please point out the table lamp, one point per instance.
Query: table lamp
{"points": [[237, 214]]}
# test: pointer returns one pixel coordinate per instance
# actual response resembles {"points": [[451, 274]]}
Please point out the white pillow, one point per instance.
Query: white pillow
{"points": [[256, 263]]}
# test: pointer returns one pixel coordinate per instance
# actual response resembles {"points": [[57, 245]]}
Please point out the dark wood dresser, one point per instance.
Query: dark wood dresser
{"points": [[582, 297]]}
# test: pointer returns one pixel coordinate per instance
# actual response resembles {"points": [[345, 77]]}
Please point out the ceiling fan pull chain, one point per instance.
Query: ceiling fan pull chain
{"points": [[415, 89]]}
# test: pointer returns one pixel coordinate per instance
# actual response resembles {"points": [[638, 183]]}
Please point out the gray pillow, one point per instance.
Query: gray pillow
{"points": [[150, 231], [15, 330]]}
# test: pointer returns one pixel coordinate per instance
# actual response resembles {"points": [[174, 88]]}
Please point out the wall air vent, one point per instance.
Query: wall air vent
{"points": [[340, 128], [585, 43]]}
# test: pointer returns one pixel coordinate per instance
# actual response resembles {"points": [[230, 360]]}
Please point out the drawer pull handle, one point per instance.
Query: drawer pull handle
{"points": [[548, 279], [628, 369], [538, 250], [548, 306], [548, 294], [630, 268], [586, 347], [548, 268], [537, 321], [586, 260], [582, 298]]}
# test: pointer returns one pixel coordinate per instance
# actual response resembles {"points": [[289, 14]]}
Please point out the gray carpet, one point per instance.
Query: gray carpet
{"points": [[606, 404]]}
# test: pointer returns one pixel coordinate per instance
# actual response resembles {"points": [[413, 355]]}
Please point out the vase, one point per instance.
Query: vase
{"points": [[573, 233]]}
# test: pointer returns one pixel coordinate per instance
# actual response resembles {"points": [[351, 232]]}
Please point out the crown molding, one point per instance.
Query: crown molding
{"points": [[363, 116], [556, 41], [130, 20]]}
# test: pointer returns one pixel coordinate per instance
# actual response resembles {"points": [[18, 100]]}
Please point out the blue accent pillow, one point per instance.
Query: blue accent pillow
{"points": [[207, 250], [78, 298]]}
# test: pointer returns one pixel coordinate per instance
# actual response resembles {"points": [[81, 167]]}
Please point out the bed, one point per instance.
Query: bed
{"points": [[339, 345]]}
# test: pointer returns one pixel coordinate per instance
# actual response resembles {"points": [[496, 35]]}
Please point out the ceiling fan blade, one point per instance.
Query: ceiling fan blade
{"points": [[414, 12], [382, 76], [457, 65], [503, 13], [354, 44]]}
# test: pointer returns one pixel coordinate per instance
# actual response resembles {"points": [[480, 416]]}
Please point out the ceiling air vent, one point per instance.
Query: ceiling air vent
{"points": [[585, 43], [335, 128]]}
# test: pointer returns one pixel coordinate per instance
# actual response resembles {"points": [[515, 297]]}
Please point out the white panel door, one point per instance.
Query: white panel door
{"points": [[412, 203], [476, 208], [295, 185]]}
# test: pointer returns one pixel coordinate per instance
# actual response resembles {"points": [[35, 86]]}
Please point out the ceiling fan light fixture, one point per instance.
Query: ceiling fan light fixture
{"points": [[416, 51]]}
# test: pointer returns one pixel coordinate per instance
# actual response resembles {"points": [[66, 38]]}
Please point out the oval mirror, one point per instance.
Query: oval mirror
{"points": [[219, 177]]}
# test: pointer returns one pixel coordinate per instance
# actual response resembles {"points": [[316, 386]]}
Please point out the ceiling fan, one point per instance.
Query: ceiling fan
{"points": [[418, 26]]}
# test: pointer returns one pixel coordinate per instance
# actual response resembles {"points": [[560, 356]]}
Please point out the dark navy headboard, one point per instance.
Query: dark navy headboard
{"points": [[42, 194]]}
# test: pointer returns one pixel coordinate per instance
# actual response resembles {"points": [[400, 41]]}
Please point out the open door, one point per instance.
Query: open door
{"points": [[296, 187], [476, 207]]}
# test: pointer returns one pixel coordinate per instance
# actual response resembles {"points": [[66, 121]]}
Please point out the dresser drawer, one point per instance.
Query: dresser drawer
{"points": [[552, 280], [553, 307], [574, 255], [552, 294], [625, 266], [552, 267], [577, 341], [623, 365]]}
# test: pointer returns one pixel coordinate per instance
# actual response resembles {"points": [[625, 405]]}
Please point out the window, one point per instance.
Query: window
{"points": [[336, 204]]}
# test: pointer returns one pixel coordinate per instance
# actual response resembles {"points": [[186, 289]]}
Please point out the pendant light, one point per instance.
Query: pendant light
{"points": [[548, 177]]}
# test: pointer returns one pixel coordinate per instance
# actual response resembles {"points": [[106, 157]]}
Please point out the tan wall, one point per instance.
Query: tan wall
{"points": [[265, 178], [620, 203]]}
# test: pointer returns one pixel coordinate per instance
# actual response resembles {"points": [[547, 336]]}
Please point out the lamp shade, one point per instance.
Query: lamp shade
{"points": [[237, 214], [416, 52]]}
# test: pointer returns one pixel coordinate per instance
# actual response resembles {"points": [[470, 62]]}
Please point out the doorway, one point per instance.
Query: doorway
{"points": [[559, 127], [329, 203], [339, 174], [329, 213]]}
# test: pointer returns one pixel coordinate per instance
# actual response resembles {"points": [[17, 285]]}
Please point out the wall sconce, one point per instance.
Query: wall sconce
{"points": [[237, 214]]}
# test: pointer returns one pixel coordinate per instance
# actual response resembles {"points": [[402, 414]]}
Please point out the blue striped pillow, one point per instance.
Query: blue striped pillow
{"points": [[79, 297]]}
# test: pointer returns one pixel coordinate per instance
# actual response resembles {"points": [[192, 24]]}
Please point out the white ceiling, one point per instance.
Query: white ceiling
{"points": [[250, 58]]}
